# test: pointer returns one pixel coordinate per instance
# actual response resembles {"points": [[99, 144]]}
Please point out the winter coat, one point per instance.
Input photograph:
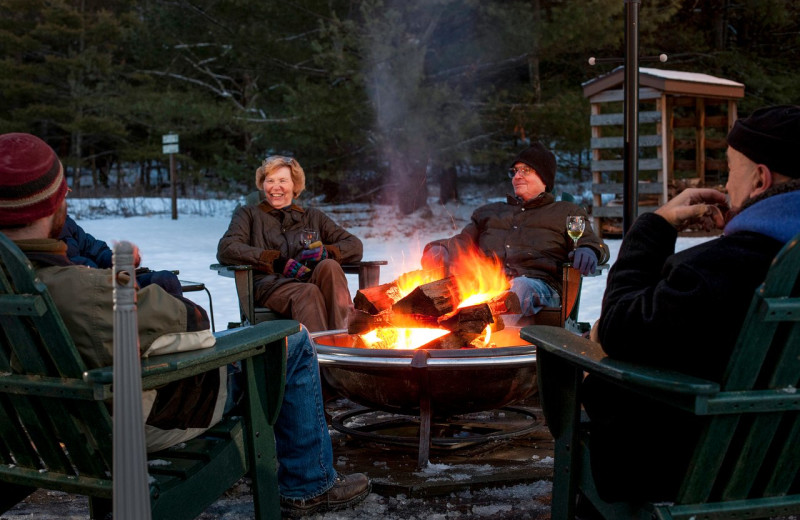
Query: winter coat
{"points": [[530, 238], [83, 248], [260, 234], [679, 310], [84, 297]]}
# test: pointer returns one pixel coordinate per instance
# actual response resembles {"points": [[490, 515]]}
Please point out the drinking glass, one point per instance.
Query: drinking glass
{"points": [[575, 226], [308, 237]]}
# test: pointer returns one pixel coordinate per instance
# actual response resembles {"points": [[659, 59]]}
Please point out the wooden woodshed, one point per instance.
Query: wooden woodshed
{"points": [[684, 118]]}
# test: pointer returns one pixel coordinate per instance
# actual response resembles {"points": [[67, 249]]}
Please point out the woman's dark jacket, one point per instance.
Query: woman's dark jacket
{"points": [[260, 234]]}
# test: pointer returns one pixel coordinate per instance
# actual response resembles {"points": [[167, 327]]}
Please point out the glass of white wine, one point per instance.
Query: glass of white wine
{"points": [[575, 226], [308, 237]]}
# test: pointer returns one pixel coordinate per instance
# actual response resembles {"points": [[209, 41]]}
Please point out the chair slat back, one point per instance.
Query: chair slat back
{"points": [[44, 430], [739, 454]]}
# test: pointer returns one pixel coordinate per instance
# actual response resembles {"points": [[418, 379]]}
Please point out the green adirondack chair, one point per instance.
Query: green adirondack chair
{"points": [[56, 429], [757, 404]]}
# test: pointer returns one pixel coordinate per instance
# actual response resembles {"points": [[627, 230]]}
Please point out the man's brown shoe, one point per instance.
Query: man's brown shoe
{"points": [[346, 491]]}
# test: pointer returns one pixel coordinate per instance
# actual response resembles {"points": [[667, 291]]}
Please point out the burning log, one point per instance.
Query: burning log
{"points": [[431, 299], [473, 319], [360, 322], [506, 303], [374, 300]]}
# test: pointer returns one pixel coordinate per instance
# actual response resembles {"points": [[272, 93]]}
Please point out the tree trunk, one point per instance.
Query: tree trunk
{"points": [[409, 173]]}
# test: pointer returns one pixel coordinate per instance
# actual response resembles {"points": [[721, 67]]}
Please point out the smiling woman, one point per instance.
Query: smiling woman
{"points": [[297, 252]]}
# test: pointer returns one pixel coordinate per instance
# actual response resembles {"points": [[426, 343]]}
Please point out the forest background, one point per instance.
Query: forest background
{"points": [[374, 97]]}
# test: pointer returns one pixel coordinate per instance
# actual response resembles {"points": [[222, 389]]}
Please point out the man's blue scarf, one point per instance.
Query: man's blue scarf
{"points": [[777, 217]]}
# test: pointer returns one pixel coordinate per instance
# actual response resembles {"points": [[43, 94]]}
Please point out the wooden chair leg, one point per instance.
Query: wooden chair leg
{"points": [[261, 448], [563, 419]]}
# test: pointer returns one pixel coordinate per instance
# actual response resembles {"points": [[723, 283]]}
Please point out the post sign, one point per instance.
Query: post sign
{"points": [[169, 143]]}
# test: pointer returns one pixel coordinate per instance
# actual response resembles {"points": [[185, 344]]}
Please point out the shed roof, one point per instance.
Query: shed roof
{"points": [[675, 82]]}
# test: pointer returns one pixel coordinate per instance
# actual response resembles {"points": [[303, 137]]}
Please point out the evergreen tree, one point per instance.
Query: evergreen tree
{"points": [[61, 73]]}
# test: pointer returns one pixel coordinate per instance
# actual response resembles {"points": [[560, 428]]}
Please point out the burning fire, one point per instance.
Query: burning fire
{"points": [[400, 338], [479, 279], [407, 282]]}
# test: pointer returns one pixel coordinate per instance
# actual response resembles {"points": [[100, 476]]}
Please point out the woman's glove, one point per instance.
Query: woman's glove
{"points": [[584, 260], [291, 268], [315, 253]]}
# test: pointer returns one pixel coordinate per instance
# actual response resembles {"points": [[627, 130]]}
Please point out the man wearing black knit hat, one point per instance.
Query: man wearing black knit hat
{"points": [[527, 233], [683, 310]]}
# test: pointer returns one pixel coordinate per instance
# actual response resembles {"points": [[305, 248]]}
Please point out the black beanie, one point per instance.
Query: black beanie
{"points": [[540, 159], [770, 136]]}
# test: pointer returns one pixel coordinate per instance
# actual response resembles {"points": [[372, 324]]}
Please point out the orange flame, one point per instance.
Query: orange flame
{"points": [[480, 278], [400, 338], [407, 282]]}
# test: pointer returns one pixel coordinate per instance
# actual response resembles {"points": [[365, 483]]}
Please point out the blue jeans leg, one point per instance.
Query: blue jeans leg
{"points": [[534, 294], [303, 443]]}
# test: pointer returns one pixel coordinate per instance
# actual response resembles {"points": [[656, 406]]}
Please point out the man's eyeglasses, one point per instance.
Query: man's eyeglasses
{"points": [[523, 170]]}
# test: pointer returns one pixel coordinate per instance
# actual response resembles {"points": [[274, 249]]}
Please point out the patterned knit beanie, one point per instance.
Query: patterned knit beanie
{"points": [[32, 182], [540, 159], [770, 136]]}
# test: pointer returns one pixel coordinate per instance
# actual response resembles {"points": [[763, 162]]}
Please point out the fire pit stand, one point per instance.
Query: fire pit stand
{"points": [[427, 383], [452, 433]]}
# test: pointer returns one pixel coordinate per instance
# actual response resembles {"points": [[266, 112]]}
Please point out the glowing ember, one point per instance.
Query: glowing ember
{"points": [[399, 338], [487, 335]]}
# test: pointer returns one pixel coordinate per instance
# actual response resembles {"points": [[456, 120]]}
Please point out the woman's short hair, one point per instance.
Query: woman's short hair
{"points": [[274, 162]]}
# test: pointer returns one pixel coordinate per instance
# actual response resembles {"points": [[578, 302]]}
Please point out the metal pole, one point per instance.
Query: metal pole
{"points": [[131, 491], [174, 183], [630, 153]]}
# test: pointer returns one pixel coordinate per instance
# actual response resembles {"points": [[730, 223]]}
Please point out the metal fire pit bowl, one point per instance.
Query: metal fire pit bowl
{"points": [[455, 381]]}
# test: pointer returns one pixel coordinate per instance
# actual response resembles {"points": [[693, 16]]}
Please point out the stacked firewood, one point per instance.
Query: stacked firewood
{"points": [[430, 305]]}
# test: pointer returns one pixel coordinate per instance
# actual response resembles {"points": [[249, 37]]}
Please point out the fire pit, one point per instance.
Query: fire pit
{"points": [[432, 343], [429, 383]]}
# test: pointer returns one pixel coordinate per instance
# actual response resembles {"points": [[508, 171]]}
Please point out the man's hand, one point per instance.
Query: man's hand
{"points": [[699, 206], [584, 260], [436, 256]]}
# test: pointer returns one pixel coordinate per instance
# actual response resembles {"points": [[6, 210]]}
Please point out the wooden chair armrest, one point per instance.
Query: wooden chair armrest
{"points": [[229, 270], [368, 271], [232, 345], [590, 357]]}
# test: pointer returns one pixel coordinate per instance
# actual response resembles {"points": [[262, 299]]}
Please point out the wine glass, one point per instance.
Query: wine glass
{"points": [[308, 237], [575, 226]]}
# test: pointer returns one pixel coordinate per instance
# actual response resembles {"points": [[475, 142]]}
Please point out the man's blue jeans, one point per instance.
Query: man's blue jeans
{"points": [[534, 294], [305, 455]]}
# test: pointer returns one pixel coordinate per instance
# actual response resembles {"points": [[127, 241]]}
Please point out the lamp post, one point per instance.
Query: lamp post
{"points": [[630, 150]]}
